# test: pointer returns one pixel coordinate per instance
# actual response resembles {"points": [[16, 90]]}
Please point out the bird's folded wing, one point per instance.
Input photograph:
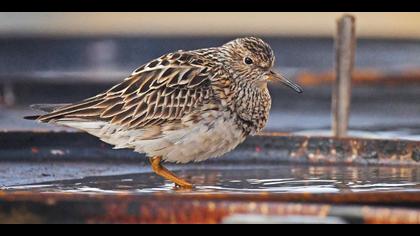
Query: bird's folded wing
{"points": [[164, 89]]}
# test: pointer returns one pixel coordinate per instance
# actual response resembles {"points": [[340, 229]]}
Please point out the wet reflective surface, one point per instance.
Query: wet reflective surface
{"points": [[248, 179]]}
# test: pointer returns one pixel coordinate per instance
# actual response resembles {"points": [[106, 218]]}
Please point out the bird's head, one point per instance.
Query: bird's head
{"points": [[252, 59]]}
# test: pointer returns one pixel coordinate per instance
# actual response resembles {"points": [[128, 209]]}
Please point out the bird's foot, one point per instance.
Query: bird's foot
{"points": [[165, 173], [180, 188]]}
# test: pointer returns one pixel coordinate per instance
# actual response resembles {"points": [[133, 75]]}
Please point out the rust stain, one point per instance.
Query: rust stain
{"points": [[20, 215], [254, 198], [35, 150], [390, 216], [208, 208], [347, 150], [361, 77]]}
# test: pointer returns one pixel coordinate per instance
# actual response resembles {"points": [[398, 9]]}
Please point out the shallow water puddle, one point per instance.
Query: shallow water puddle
{"points": [[248, 179]]}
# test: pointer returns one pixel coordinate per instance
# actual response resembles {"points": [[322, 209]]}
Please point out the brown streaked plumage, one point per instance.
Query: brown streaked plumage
{"points": [[184, 106]]}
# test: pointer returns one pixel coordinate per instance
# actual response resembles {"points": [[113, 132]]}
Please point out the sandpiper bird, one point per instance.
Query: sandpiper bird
{"points": [[183, 106]]}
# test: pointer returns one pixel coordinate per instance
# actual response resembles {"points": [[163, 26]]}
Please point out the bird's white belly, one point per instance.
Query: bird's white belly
{"points": [[203, 140]]}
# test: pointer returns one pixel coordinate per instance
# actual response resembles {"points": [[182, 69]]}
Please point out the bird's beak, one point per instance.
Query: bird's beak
{"points": [[273, 76]]}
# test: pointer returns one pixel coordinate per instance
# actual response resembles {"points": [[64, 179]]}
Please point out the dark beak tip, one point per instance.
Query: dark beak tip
{"points": [[300, 90], [297, 89]]}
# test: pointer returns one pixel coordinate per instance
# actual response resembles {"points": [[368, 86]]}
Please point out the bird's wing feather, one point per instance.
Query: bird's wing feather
{"points": [[162, 90]]}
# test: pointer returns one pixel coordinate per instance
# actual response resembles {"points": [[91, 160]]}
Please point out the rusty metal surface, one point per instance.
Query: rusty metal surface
{"points": [[177, 208], [337, 150], [268, 147], [199, 207], [360, 198]]}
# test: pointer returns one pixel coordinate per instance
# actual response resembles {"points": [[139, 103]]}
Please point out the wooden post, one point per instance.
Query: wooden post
{"points": [[345, 43]]}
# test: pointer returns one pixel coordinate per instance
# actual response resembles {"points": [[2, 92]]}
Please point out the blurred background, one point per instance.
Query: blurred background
{"points": [[65, 57]]}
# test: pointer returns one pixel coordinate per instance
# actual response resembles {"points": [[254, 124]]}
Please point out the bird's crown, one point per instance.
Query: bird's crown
{"points": [[255, 48]]}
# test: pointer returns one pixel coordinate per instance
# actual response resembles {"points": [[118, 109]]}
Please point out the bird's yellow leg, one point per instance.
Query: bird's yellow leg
{"points": [[165, 173]]}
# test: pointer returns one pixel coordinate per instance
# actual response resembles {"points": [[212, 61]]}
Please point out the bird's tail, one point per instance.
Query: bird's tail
{"points": [[43, 107], [31, 117]]}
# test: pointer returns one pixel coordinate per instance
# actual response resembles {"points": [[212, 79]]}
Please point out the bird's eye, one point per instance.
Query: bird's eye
{"points": [[248, 61]]}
